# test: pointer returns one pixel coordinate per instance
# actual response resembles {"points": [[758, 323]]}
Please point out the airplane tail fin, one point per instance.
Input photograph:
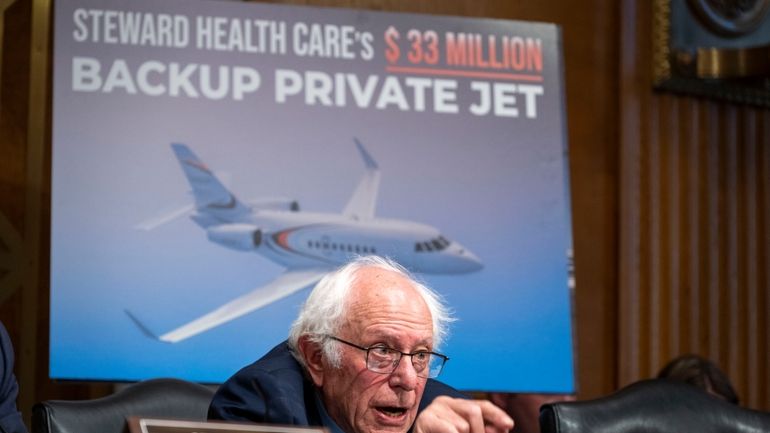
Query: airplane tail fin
{"points": [[363, 202], [212, 198]]}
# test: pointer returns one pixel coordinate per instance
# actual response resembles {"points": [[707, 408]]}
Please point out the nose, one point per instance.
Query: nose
{"points": [[404, 376]]}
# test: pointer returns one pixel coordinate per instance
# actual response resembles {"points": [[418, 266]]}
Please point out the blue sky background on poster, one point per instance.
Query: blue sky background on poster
{"points": [[495, 184]]}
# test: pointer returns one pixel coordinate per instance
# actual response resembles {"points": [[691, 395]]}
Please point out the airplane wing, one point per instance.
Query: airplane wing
{"points": [[287, 283], [364, 199]]}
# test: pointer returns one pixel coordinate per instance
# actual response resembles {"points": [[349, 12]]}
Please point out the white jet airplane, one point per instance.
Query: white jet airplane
{"points": [[307, 244]]}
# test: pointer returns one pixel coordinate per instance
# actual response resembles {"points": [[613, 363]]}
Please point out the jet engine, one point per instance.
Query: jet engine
{"points": [[241, 237]]}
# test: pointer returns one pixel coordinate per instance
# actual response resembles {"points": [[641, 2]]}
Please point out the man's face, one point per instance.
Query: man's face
{"points": [[384, 309]]}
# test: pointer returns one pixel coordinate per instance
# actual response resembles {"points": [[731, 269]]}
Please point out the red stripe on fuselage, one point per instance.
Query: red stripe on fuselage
{"points": [[282, 239]]}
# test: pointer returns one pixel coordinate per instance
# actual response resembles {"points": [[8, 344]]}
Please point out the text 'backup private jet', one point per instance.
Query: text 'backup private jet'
{"points": [[307, 244]]}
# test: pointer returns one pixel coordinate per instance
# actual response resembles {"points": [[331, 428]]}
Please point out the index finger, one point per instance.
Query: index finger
{"points": [[495, 419]]}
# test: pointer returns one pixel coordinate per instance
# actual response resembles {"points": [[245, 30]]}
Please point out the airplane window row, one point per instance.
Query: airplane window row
{"points": [[342, 247], [436, 244]]}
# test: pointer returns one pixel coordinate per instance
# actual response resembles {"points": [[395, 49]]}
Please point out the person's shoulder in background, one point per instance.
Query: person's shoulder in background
{"points": [[10, 418], [700, 372]]}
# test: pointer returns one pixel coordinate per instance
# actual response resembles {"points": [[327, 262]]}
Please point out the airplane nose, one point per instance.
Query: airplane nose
{"points": [[471, 262], [455, 259], [463, 260]]}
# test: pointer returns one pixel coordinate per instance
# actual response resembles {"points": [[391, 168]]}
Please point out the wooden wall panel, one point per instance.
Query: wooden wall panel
{"points": [[694, 231]]}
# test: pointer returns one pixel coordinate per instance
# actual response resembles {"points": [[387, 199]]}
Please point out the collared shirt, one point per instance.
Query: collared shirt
{"points": [[325, 418]]}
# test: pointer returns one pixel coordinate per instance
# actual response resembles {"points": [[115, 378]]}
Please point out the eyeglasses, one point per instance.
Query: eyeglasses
{"points": [[384, 360]]}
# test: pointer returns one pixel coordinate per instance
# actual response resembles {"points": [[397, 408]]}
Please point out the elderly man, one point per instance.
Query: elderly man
{"points": [[361, 358]]}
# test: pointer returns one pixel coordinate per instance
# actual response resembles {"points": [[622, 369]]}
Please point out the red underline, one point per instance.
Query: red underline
{"points": [[461, 73]]}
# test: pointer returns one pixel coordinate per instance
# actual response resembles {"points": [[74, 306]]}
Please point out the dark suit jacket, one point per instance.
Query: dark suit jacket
{"points": [[275, 390], [10, 418]]}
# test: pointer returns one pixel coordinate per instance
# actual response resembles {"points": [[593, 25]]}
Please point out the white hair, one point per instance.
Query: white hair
{"points": [[324, 311]]}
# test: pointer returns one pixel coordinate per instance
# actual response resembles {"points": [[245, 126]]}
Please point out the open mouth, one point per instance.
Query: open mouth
{"points": [[392, 411]]}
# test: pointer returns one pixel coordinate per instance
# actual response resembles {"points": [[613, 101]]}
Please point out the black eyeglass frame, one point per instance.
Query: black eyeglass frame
{"points": [[401, 354]]}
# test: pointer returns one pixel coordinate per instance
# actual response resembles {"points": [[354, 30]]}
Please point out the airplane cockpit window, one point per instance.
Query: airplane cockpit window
{"points": [[436, 244]]}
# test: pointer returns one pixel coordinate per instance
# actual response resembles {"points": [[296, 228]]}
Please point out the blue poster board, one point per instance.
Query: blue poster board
{"points": [[211, 160]]}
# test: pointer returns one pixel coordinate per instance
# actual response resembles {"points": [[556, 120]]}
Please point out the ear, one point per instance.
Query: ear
{"points": [[313, 355]]}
